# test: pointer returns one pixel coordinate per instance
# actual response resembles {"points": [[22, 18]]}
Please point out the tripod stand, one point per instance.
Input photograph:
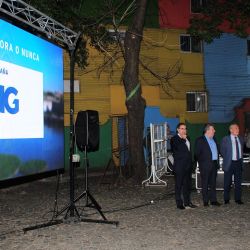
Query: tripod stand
{"points": [[90, 200], [71, 208]]}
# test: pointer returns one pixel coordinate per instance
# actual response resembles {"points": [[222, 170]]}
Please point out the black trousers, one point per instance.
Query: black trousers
{"points": [[236, 171], [183, 185], [208, 182]]}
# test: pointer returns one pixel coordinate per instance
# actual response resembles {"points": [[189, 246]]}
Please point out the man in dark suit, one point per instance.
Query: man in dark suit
{"points": [[232, 153], [182, 167], [206, 153]]}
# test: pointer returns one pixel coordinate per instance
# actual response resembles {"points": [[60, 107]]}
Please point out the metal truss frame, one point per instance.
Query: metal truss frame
{"points": [[27, 14]]}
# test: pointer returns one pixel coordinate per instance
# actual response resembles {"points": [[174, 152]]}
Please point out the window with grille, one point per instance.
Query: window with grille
{"points": [[190, 44], [117, 35], [196, 101], [198, 5]]}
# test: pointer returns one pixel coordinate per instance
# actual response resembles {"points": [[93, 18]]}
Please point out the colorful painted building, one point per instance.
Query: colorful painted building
{"points": [[185, 96], [226, 64], [211, 82]]}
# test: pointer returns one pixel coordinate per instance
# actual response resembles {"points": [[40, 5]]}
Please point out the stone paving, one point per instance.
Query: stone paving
{"points": [[148, 219]]}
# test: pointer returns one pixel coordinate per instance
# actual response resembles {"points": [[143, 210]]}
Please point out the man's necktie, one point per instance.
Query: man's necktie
{"points": [[237, 149]]}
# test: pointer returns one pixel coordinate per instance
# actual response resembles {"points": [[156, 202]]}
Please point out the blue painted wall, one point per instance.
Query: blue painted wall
{"points": [[227, 76], [153, 115]]}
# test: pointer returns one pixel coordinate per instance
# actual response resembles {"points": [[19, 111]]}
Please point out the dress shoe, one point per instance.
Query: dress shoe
{"points": [[226, 202], [205, 204], [239, 202], [181, 207], [215, 203], [190, 205]]}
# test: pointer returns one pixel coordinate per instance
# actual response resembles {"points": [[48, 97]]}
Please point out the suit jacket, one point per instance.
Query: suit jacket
{"points": [[227, 151], [182, 156], [203, 153]]}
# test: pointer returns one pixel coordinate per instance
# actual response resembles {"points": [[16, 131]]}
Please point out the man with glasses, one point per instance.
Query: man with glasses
{"points": [[182, 167]]}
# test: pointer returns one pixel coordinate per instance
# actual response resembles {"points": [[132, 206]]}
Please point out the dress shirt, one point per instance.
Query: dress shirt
{"points": [[234, 148], [213, 148]]}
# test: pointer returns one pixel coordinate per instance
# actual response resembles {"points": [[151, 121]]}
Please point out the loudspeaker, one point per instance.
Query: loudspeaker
{"points": [[87, 130]]}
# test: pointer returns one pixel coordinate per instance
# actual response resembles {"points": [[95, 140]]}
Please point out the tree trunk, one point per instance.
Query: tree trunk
{"points": [[135, 103]]}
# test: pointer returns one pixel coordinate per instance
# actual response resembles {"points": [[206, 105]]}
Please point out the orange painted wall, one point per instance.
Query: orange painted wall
{"points": [[175, 14]]}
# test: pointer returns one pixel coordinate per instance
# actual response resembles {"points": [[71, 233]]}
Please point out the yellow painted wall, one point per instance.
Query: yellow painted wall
{"points": [[160, 51], [190, 78], [117, 98]]}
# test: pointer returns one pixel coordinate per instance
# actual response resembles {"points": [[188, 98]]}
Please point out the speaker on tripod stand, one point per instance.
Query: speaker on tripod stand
{"points": [[87, 137], [87, 132], [87, 140]]}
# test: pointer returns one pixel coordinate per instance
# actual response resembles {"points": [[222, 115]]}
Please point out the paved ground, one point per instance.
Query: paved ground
{"points": [[142, 224]]}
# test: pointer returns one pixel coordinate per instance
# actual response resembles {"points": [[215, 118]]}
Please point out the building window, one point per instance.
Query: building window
{"points": [[197, 5], [190, 44], [248, 47], [117, 35], [196, 101]]}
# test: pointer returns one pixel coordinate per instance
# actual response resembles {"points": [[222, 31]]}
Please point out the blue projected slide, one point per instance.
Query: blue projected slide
{"points": [[31, 104]]}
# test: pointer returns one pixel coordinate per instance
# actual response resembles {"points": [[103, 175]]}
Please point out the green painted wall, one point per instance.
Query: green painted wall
{"points": [[98, 159], [196, 130]]}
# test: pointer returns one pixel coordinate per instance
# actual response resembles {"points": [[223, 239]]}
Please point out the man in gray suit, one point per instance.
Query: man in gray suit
{"points": [[231, 150]]}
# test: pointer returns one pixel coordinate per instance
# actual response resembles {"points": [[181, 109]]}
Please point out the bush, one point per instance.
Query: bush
{"points": [[9, 165]]}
